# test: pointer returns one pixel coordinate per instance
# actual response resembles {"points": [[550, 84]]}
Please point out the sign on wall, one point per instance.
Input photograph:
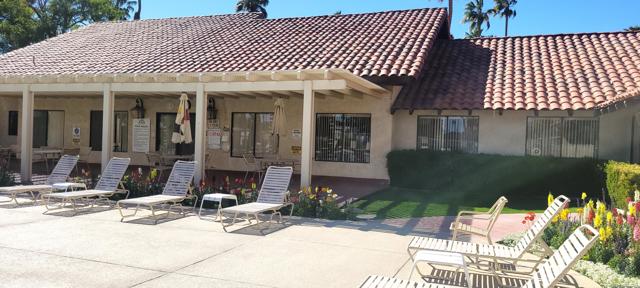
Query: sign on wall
{"points": [[214, 138], [75, 135], [141, 135]]}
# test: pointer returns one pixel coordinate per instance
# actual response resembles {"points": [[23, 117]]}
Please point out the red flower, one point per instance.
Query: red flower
{"points": [[524, 221], [619, 219], [614, 211], [592, 214]]}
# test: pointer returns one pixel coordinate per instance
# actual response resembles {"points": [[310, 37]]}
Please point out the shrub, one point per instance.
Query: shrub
{"points": [[479, 179], [633, 269], [622, 180], [6, 178], [618, 263]]}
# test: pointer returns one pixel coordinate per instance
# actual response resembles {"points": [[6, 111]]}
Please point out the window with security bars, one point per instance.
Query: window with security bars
{"points": [[562, 137], [343, 137], [448, 133]]}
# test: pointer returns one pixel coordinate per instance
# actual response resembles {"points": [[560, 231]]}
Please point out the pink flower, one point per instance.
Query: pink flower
{"points": [[636, 233], [631, 220], [628, 199]]}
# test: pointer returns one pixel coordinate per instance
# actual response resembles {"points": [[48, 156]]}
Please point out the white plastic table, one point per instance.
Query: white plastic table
{"points": [[216, 197], [441, 258]]}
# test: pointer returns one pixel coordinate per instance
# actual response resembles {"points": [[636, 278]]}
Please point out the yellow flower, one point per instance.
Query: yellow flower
{"points": [[603, 234], [597, 221], [601, 207], [253, 186], [590, 205], [584, 195], [632, 210], [609, 232], [564, 215], [154, 173], [580, 211], [609, 217], [549, 199]]}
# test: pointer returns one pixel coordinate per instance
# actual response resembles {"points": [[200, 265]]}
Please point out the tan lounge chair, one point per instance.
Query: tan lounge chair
{"points": [[271, 198], [108, 185], [546, 276], [60, 174], [490, 216], [176, 190]]}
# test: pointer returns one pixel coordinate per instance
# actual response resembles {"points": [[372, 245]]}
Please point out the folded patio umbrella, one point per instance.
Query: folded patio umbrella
{"points": [[182, 133], [279, 118]]}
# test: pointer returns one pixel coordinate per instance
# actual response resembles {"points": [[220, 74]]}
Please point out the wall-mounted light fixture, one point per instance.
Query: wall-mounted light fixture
{"points": [[212, 112], [138, 110]]}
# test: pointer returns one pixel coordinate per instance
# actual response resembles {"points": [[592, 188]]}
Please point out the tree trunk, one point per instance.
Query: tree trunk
{"points": [[136, 16], [506, 26]]}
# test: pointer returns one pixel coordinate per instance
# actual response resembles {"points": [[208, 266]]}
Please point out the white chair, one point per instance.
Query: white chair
{"points": [[490, 217], [271, 198], [252, 165], [109, 184], [60, 174], [176, 190], [547, 275], [496, 252]]}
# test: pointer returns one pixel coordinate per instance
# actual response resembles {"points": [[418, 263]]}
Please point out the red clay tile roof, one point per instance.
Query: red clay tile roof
{"points": [[547, 72], [383, 44]]}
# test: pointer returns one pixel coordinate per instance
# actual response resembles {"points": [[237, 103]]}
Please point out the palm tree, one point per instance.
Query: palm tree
{"points": [[475, 14], [137, 15], [127, 7], [253, 6], [504, 9], [633, 28]]}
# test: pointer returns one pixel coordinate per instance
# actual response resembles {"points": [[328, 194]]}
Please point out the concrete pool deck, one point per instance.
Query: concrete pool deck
{"points": [[96, 250]]}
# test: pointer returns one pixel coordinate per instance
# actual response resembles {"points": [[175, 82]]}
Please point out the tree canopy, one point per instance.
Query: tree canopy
{"points": [[253, 6], [23, 22]]}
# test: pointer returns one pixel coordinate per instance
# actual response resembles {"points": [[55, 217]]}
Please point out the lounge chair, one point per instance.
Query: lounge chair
{"points": [[497, 252], [108, 185], [271, 198], [176, 190], [490, 216], [546, 276], [60, 174]]}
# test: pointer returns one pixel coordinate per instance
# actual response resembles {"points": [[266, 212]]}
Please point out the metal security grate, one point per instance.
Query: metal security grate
{"points": [[448, 133], [343, 137], [562, 137]]}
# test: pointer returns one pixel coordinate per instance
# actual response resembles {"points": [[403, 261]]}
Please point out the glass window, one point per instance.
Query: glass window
{"points": [[13, 123], [448, 133], [562, 137], [120, 131], [251, 133], [343, 138]]}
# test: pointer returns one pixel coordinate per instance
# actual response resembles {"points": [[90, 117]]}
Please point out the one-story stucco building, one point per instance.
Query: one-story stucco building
{"points": [[354, 87]]}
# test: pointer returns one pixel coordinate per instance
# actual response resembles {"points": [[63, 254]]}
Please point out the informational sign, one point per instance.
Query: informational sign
{"points": [[296, 133], [296, 150], [75, 135], [214, 138], [141, 135]]}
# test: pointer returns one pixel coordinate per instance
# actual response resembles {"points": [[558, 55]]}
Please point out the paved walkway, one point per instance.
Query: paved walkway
{"points": [[96, 250]]}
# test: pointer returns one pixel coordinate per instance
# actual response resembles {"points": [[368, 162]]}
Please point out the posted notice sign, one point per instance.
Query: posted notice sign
{"points": [[141, 135]]}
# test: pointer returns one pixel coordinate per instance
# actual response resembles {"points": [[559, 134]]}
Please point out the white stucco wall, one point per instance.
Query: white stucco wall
{"points": [[506, 133]]}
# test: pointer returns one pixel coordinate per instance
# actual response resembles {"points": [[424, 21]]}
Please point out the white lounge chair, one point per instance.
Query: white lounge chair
{"points": [[176, 190], [271, 198], [476, 251], [490, 216], [546, 276], [60, 174], [109, 184]]}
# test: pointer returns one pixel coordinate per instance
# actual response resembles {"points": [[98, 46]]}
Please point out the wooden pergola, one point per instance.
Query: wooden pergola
{"points": [[308, 84]]}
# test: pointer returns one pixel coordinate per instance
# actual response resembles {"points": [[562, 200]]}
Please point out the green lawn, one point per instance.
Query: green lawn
{"points": [[403, 203]]}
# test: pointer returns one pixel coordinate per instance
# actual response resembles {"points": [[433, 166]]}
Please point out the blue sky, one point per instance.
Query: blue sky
{"points": [[533, 16]]}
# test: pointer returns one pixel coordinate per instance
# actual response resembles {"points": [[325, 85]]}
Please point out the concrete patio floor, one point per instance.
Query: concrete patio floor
{"points": [[96, 250]]}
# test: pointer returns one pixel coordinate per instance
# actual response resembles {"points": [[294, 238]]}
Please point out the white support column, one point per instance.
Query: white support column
{"points": [[200, 137], [107, 125], [26, 143], [308, 123]]}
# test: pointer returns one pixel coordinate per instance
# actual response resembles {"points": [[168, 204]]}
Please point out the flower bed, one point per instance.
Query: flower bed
{"points": [[615, 257]]}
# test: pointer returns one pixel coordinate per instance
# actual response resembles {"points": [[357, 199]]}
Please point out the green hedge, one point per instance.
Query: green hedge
{"points": [[478, 179], [622, 180]]}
